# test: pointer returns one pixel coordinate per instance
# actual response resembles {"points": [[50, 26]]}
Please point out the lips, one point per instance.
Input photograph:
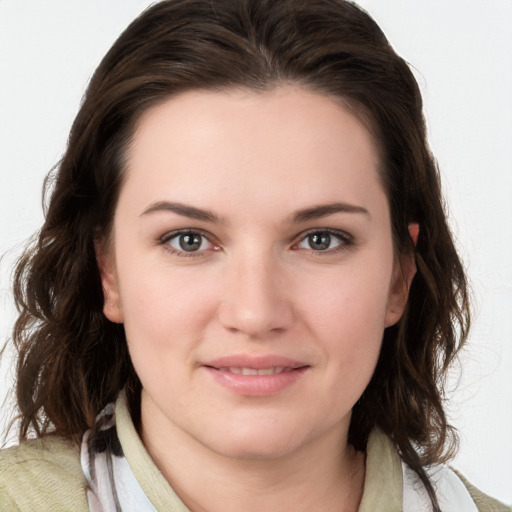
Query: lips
{"points": [[255, 362], [255, 371], [255, 376]]}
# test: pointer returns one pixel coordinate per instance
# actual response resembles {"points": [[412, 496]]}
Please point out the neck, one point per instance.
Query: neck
{"points": [[325, 474]]}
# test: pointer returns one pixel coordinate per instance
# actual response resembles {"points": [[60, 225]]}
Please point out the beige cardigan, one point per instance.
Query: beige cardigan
{"points": [[45, 474]]}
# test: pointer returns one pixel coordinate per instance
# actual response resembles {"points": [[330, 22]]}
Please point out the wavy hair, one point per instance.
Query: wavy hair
{"points": [[72, 360]]}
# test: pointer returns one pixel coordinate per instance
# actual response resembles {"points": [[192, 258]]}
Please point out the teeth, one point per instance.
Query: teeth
{"points": [[267, 371], [254, 371]]}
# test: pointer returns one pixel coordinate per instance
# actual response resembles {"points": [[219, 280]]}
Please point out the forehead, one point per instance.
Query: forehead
{"points": [[258, 145]]}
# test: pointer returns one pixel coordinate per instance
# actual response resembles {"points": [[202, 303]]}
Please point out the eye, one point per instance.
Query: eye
{"points": [[324, 241], [187, 242]]}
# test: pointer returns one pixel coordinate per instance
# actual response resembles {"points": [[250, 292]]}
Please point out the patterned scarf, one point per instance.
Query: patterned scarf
{"points": [[112, 485]]}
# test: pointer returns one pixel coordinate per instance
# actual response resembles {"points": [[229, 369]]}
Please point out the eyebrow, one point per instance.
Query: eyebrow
{"points": [[317, 212], [308, 214], [184, 210]]}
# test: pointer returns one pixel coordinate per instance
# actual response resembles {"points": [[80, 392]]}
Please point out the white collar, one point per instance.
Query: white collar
{"points": [[450, 491]]}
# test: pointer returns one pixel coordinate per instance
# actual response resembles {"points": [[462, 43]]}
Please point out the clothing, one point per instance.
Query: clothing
{"points": [[46, 474]]}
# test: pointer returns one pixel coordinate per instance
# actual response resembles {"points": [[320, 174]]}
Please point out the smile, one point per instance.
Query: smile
{"points": [[255, 371], [256, 376]]}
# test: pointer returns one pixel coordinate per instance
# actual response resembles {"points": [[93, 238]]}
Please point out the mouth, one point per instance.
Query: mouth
{"points": [[260, 376], [268, 363], [255, 371]]}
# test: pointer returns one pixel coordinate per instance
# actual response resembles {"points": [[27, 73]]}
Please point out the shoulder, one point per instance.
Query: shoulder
{"points": [[391, 482], [453, 492], [42, 474], [483, 502]]}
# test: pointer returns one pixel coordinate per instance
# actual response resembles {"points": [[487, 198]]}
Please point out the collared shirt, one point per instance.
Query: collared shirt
{"points": [[52, 474]]}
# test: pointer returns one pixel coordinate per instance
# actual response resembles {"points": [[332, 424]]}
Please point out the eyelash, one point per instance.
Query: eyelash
{"points": [[345, 239], [165, 239]]}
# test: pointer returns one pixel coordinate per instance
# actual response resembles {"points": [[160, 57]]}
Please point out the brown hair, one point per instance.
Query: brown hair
{"points": [[72, 360]]}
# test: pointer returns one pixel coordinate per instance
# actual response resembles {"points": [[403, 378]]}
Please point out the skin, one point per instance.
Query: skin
{"points": [[255, 287]]}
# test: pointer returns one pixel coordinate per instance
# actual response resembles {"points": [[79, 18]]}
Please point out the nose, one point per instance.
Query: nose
{"points": [[256, 298]]}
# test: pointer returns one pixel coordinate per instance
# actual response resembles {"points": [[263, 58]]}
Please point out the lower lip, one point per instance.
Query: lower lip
{"points": [[256, 385]]}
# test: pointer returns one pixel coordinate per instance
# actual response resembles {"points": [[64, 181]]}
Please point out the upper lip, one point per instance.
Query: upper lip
{"points": [[256, 362]]}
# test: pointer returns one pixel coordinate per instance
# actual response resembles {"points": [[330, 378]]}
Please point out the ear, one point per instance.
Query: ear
{"points": [[111, 298], [403, 274], [414, 231]]}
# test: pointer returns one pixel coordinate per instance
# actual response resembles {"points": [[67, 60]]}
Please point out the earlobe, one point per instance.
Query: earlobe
{"points": [[399, 290], [397, 299], [111, 299], [402, 279]]}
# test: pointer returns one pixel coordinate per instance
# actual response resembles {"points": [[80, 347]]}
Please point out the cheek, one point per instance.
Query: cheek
{"points": [[348, 304], [165, 310], [346, 315], [165, 319]]}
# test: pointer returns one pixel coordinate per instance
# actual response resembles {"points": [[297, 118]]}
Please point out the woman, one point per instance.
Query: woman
{"points": [[245, 273]]}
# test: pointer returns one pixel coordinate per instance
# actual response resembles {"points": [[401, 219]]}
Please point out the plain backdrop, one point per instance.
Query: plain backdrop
{"points": [[461, 52]]}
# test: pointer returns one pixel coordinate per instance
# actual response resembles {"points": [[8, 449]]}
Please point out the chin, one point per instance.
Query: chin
{"points": [[254, 442], [261, 449]]}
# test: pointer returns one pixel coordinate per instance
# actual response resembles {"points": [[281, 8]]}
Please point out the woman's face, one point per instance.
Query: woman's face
{"points": [[252, 266]]}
